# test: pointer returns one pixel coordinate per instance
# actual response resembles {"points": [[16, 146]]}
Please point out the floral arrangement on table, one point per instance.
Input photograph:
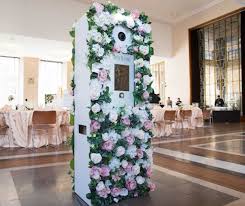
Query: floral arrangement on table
{"points": [[120, 138]]}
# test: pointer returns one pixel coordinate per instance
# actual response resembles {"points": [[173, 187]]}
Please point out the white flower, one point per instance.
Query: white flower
{"points": [[114, 163], [139, 62], [105, 137], [145, 28], [140, 134], [100, 186], [126, 133], [136, 169], [115, 200], [113, 116], [138, 38], [95, 89], [144, 49], [138, 22], [106, 108], [99, 51], [102, 19], [140, 180], [96, 108], [106, 39], [124, 192], [147, 80], [96, 158], [124, 163], [132, 151], [108, 183], [130, 22], [114, 136], [120, 151]]}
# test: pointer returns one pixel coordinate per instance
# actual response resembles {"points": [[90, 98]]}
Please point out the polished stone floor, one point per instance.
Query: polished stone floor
{"points": [[51, 186], [201, 167]]}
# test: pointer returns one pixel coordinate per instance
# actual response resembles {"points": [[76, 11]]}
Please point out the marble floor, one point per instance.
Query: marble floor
{"points": [[202, 167]]}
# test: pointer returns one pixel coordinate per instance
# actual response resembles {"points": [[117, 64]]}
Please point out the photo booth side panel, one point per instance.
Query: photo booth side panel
{"points": [[82, 102]]}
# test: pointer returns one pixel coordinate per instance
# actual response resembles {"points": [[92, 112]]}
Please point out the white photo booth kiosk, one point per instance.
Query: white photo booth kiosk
{"points": [[121, 68]]}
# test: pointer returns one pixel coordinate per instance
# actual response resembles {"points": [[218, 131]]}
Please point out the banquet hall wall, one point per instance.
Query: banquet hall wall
{"points": [[178, 67], [31, 70]]}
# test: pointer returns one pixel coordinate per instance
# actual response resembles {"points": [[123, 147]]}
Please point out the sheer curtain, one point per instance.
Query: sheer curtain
{"points": [[158, 75], [51, 80], [11, 80]]}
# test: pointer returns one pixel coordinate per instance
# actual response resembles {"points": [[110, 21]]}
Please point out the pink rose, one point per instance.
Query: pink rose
{"points": [[102, 75], [146, 95], [95, 172], [129, 167], [138, 75], [140, 153], [108, 145], [130, 139], [149, 172], [126, 121], [148, 125], [115, 178], [135, 14], [94, 126], [131, 184], [116, 49], [98, 7], [115, 191], [136, 49], [105, 171], [104, 192], [152, 186]]}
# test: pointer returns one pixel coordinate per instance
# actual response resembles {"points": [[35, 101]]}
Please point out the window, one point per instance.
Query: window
{"points": [[51, 81], [11, 80], [158, 75], [220, 64]]}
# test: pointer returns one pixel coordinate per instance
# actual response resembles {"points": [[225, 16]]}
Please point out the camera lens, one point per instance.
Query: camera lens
{"points": [[121, 36]]}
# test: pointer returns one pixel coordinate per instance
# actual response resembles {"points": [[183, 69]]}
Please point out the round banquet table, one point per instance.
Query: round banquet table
{"points": [[19, 123], [158, 116]]}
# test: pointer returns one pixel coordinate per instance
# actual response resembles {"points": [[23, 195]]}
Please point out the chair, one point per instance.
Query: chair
{"points": [[64, 125], [44, 122], [207, 115], [169, 118], [185, 116], [4, 128]]}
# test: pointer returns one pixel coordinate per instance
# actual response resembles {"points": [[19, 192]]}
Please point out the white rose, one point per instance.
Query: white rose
{"points": [[105, 137], [145, 27], [147, 80], [95, 89], [106, 108], [100, 186], [115, 200], [126, 133], [138, 38], [120, 151], [114, 163], [124, 163], [139, 62], [124, 192], [96, 158], [132, 151], [140, 180], [140, 134], [96, 108], [144, 49], [130, 22], [113, 116], [136, 169]]}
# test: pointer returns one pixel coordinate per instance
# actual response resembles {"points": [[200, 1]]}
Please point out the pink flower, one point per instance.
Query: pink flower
{"points": [[149, 172], [95, 172], [152, 186], [105, 171], [136, 49], [116, 49], [138, 75], [130, 139], [116, 178], [115, 191], [94, 126], [98, 7], [146, 95], [140, 153], [129, 167], [126, 121], [148, 125], [104, 192], [135, 14], [108, 145], [102, 75], [131, 184]]}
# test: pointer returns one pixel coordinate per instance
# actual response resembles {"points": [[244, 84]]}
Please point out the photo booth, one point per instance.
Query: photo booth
{"points": [[121, 68]]}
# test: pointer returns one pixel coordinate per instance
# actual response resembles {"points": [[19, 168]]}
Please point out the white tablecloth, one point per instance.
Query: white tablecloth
{"points": [[161, 130], [20, 134]]}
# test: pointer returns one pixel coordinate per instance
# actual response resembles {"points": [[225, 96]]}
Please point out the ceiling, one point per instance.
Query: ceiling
{"points": [[165, 11]]}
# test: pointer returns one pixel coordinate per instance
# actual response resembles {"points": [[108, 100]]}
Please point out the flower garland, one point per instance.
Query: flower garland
{"points": [[120, 138]]}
